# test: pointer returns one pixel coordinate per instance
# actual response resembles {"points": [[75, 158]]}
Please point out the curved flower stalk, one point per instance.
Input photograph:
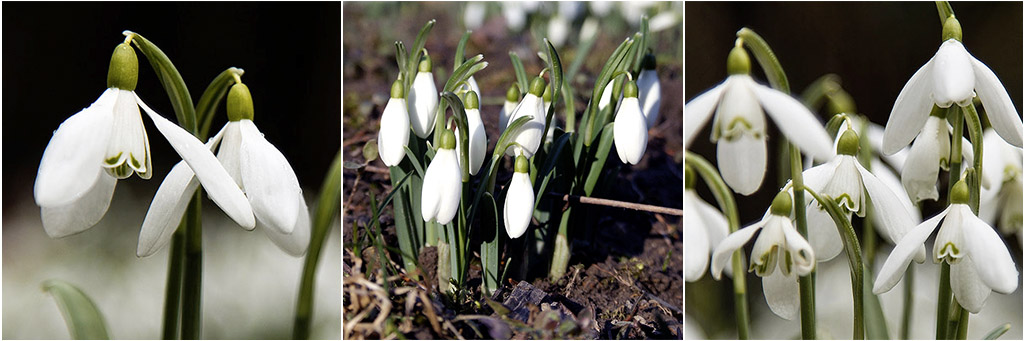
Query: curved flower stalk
{"points": [[739, 125], [779, 246], [107, 141], [256, 167], [979, 261], [630, 130], [393, 136], [650, 90], [477, 135], [849, 183], [530, 135], [508, 108], [1002, 203], [442, 184], [519, 198], [704, 228], [423, 99], [953, 75]]}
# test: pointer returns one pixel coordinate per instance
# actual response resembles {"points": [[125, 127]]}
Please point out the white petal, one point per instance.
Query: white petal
{"points": [[450, 181], [823, 233], [650, 95], [630, 131], [71, 163], [798, 124], [477, 139], [697, 111], [889, 179], [953, 75], [998, 106], [128, 147], [894, 267], [394, 132], [991, 258], [782, 294], [743, 162], [715, 223], [268, 180], [769, 246], [949, 242], [799, 249], [696, 247], [968, 289], [423, 104], [846, 185], [230, 152], [506, 111], [738, 111], [895, 216], [167, 209], [81, 214], [921, 171], [910, 111], [531, 133], [430, 199], [818, 176], [222, 189], [518, 208], [296, 242], [723, 253]]}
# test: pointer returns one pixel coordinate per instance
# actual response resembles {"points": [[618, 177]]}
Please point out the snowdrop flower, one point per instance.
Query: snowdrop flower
{"points": [[630, 130], [442, 184], [979, 261], [558, 30], [704, 227], [515, 15], [928, 153], [1002, 170], [474, 15], [739, 126], [953, 75], [531, 133], [256, 167], [508, 108], [650, 90], [394, 127], [423, 100], [107, 141], [845, 180], [519, 200], [477, 135], [778, 245]]}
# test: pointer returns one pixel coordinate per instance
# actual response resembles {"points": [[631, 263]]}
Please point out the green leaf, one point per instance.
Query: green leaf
{"points": [[600, 157], [370, 150], [874, 317], [460, 119], [549, 165], [171, 80], [603, 79], [326, 210], [84, 320], [212, 97], [417, 50], [463, 72], [490, 250], [997, 332], [460, 50], [521, 76], [555, 66]]}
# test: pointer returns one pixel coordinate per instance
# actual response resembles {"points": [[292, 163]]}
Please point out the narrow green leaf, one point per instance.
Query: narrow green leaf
{"points": [[325, 213], [460, 50], [490, 250], [212, 97], [555, 66], [603, 79], [171, 80], [874, 317], [998, 331], [521, 76], [464, 71], [600, 157], [463, 123], [417, 51], [546, 171], [84, 320]]}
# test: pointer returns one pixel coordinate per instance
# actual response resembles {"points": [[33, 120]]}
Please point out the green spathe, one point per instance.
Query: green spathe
{"points": [[239, 103], [447, 139], [782, 204], [738, 62], [124, 68], [522, 164], [849, 143], [951, 29]]}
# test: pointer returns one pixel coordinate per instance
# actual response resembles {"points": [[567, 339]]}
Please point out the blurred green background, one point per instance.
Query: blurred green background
{"points": [[55, 63]]}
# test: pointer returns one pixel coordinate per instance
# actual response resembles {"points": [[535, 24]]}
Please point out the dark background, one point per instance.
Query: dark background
{"points": [[56, 57], [873, 47]]}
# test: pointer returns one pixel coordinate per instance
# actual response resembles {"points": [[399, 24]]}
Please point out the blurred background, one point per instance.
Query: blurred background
{"points": [[874, 48], [55, 64]]}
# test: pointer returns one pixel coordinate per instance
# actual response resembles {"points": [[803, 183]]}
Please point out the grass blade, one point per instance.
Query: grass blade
{"points": [[84, 320]]}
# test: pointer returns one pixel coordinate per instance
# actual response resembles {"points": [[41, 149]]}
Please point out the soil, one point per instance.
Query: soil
{"points": [[625, 274]]}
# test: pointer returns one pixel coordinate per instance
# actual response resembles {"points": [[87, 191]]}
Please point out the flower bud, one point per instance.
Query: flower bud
{"points": [[477, 135], [239, 103], [124, 68], [630, 127], [423, 100], [650, 91], [531, 133], [442, 183], [519, 200], [394, 128]]}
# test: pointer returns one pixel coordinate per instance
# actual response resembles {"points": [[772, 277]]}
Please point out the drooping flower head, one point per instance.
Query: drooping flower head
{"points": [[739, 126], [650, 90], [394, 127], [423, 99], [1002, 202], [442, 183], [531, 133], [780, 255], [704, 227], [519, 198], [508, 108], [979, 261], [630, 127], [477, 135], [953, 75]]}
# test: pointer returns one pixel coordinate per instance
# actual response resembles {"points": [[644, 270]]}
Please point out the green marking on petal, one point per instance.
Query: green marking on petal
{"points": [[121, 171], [135, 163], [951, 252], [113, 160]]}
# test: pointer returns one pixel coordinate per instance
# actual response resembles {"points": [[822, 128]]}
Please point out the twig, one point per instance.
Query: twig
{"points": [[619, 204]]}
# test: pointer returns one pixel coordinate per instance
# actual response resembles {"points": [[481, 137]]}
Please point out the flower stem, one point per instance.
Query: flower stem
{"points": [[723, 195], [326, 210], [172, 298], [908, 303], [961, 332], [191, 314], [853, 252], [974, 128], [942, 311], [807, 326]]}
